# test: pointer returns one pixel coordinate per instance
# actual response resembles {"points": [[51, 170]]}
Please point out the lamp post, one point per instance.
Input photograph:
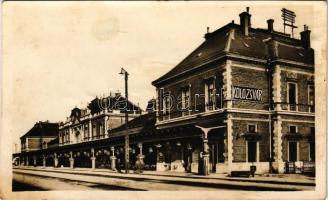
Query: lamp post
{"points": [[126, 149]]}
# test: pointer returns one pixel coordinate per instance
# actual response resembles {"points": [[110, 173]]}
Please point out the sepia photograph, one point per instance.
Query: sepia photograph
{"points": [[163, 100]]}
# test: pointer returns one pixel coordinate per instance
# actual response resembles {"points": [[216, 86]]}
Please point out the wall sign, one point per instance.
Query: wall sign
{"points": [[244, 93]]}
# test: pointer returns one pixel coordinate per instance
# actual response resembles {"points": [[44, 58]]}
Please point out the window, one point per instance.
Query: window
{"points": [[93, 130], [86, 132], [251, 128], [166, 105], [68, 137], [185, 97], [311, 99], [292, 129], [292, 151], [209, 96], [292, 96], [251, 151], [101, 129]]}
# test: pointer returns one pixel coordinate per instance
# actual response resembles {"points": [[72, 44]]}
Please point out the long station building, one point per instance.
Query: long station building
{"points": [[244, 99]]}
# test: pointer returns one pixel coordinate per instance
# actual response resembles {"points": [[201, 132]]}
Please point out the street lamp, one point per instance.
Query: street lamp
{"points": [[126, 147]]}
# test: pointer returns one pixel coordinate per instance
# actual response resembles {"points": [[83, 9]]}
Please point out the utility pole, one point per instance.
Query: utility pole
{"points": [[126, 138]]}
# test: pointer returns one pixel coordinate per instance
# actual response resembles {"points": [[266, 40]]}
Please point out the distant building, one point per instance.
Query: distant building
{"points": [[95, 121], [39, 136], [151, 106]]}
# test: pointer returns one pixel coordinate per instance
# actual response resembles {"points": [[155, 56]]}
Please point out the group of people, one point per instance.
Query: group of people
{"points": [[138, 166]]}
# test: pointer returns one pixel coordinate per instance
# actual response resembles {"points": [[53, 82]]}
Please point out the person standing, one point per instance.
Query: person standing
{"points": [[118, 166]]}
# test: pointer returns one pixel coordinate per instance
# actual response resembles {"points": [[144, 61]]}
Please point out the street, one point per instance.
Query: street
{"points": [[85, 179]]}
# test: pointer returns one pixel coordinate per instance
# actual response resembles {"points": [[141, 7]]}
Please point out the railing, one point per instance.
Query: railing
{"points": [[308, 167], [290, 167]]}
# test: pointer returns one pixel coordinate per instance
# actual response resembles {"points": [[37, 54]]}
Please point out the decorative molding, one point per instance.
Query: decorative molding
{"points": [[230, 140], [248, 67], [228, 84], [291, 77], [298, 121], [276, 92], [296, 71], [250, 119]]}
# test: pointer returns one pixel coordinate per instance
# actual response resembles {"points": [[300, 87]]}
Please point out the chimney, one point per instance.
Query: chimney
{"points": [[270, 25], [117, 94], [208, 34], [305, 37], [245, 21]]}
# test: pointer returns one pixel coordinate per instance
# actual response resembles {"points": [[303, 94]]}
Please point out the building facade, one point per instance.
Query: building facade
{"points": [[95, 121], [247, 96], [38, 138], [243, 100]]}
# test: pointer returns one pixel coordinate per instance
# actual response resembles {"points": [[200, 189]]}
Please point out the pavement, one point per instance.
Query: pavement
{"points": [[152, 180]]}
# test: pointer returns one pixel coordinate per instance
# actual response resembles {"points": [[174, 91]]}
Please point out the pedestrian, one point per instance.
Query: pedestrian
{"points": [[139, 166], [118, 165]]}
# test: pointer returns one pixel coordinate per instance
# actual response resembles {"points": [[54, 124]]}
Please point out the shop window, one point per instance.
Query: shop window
{"points": [[209, 96], [251, 151], [292, 151], [311, 99], [292, 96]]}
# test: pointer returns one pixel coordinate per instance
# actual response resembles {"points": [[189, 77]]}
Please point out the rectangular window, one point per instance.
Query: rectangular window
{"points": [[185, 99], [101, 129], [251, 151], [292, 150], [311, 99], [68, 137], [292, 96], [251, 128], [209, 96], [166, 105], [93, 131], [185, 104], [292, 129], [86, 132]]}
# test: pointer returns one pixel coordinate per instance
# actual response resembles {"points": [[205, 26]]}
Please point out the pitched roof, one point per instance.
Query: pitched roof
{"points": [[146, 122], [119, 102], [42, 129], [230, 40]]}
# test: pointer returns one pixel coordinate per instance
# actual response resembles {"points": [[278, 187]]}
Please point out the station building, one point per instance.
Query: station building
{"points": [[243, 99]]}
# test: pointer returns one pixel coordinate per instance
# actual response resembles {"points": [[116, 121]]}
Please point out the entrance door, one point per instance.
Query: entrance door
{"points": [[292, 151], [251, 151]]}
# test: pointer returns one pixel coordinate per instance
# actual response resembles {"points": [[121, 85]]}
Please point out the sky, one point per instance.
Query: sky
{"points": [[58, 55]]}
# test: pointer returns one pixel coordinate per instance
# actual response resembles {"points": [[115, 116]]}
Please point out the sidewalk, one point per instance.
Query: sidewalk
{"points": [[274, 182]]}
